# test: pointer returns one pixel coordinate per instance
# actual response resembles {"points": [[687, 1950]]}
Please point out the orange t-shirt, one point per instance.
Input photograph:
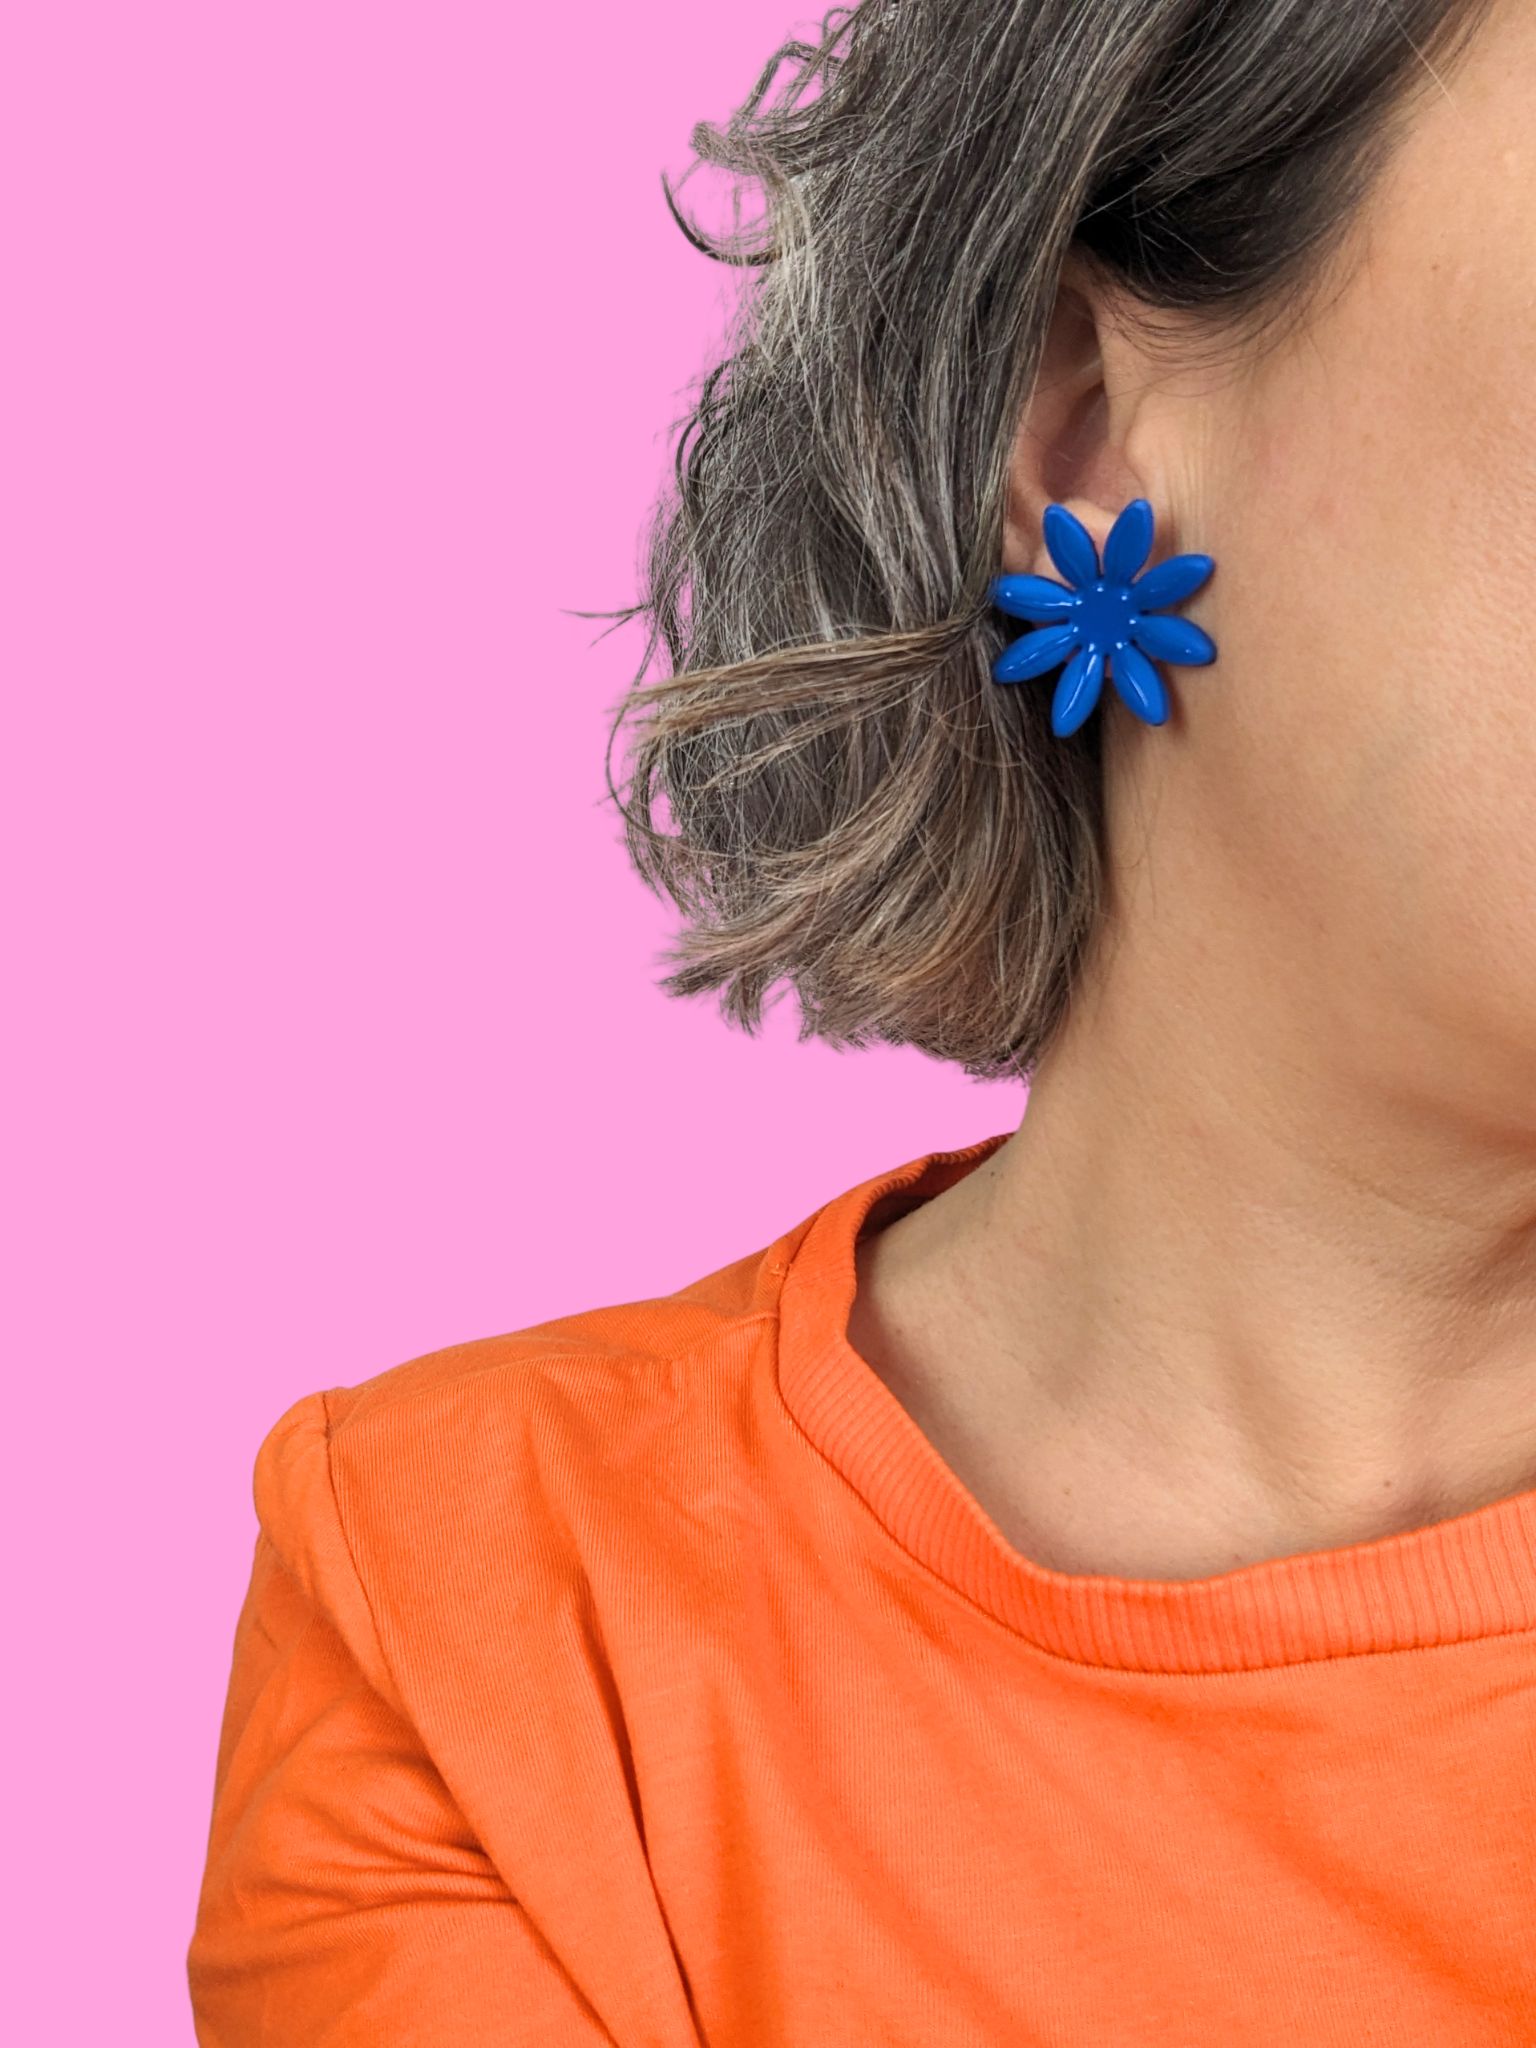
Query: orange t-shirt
{"points": [[646, 1677]]}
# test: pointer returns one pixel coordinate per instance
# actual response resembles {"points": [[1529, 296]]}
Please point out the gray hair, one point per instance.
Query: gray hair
{"points": [[855, 807]]}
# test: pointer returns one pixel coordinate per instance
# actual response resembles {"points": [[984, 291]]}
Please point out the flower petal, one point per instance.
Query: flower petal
{"points": [[1129, 542], [1078, 691], [1033, 597], [1071, 546], [1169, 639], [1171, 581], [1034, 654], [1140, 685]]}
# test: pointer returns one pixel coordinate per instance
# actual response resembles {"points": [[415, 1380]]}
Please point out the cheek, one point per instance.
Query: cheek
{"points": [[1373, 716]]}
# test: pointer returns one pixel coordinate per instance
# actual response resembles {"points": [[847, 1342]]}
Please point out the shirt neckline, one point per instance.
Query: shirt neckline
{"points": [[1448, 1582]]}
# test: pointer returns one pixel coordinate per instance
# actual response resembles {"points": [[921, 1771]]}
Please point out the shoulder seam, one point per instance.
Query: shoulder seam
{"points": [[732, 1327]]}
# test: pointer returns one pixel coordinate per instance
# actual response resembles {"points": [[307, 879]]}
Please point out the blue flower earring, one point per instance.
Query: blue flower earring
{"points": [[1103, 618]]}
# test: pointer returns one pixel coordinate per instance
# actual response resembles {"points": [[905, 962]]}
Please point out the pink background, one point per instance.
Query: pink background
{"points": [[343, 343]]}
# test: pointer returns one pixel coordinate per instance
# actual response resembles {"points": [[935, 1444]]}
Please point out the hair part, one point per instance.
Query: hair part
{"points": [[855, 807]]}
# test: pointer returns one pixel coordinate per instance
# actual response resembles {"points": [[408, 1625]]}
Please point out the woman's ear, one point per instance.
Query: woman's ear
{"points": [[1070, 448]]}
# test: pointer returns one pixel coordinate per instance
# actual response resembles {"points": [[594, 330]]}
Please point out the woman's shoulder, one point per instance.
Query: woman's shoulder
{"points": [[600, 1354], [454, 1448]]}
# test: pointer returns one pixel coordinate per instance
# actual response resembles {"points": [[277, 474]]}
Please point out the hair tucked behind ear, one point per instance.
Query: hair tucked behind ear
{"points": [[855, 807]]}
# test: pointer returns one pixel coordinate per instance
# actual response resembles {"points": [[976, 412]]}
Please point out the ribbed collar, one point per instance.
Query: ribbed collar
{"points": [[1450, 1582]]}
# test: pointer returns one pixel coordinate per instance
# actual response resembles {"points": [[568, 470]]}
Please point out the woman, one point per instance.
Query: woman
{"points": [[1078, 1588]]}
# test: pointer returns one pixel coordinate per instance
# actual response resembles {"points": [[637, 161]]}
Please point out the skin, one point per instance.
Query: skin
{"points": [[1256, 1274]]}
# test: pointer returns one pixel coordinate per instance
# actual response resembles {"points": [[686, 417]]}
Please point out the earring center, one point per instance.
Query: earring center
{"points": [[1106, 613]]}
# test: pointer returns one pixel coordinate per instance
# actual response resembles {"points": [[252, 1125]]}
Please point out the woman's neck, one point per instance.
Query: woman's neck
{"points": [[1218, 1300]]}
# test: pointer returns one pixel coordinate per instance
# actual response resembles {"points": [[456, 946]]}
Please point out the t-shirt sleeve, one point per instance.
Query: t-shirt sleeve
{"points": [[345, 1899]]}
